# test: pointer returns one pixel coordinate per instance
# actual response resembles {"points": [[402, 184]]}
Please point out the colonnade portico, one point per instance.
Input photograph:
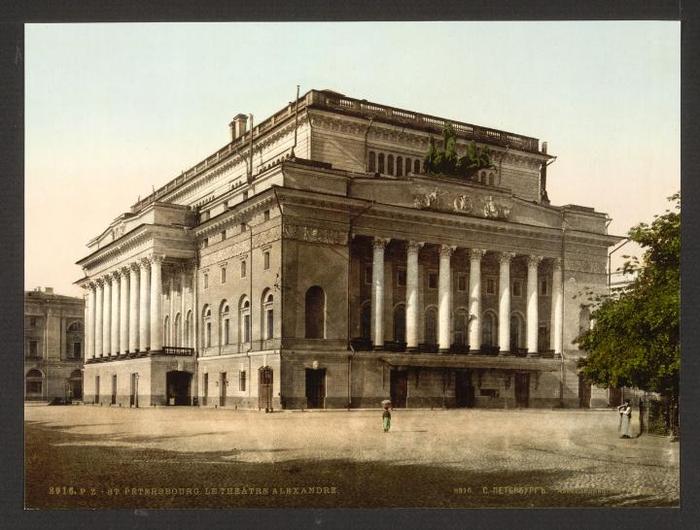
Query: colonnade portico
{"points": [[445, 313], [124, 310]]}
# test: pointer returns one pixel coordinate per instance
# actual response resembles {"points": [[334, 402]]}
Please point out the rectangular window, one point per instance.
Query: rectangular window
{"points": [[243, 227], [223, 235], [205, 385], [207, 337], [368, 274], [206, 280], [266, 215], [401, 277], [432, 280], [223, 274], [544, 287], [461, 282], [246, 328], [490, 285], [33, 348], [226, 331], [241, 380], [517, 288], [266, 260], [77, 350], [243, 269], [205, 242]]}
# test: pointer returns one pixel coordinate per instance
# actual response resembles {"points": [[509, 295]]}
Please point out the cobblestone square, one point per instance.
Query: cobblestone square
{"points": [[178, 457]]}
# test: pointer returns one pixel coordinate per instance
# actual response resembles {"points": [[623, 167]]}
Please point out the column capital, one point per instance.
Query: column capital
{"points": [[99, 282], [556, 263], [156, 258], [447, 250], [145, 263], [533, 261], [116, 274], [134, 266], [380, 242], [125, 270], [505, 257], [414, 246], [476, 253]]}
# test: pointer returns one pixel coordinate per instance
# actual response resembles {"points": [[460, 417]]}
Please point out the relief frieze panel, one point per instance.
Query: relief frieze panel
{"points": [[314, 234], [477, 205], [581, 265]]}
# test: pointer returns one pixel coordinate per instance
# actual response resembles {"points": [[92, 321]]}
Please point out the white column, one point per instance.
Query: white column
{"points": [[412, 251], [144, 274], [107, 316], [557, 308], [156, 303], [133, 307], [475, 256], [444, 298], [532, 302], [97, 352], [90, 323], [170, 339], [86, 327], [504, 302], [114, 331], [123, 310], [378, 292], [181, 338]]}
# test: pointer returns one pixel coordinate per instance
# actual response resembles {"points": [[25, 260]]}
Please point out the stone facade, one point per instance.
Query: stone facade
{"points": [[325, 269], [53, 346]]}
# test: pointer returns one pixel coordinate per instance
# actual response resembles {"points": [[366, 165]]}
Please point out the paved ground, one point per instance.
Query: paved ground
{"points": [[438, 458]]}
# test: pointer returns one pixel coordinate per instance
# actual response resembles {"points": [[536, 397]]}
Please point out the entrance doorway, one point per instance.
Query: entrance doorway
{"points": [[522, 390], [315, 388], [75, 385], [398, 385], [464, 391], [114, 389], [584, 392], [134, 390], [265, 388], [178, 387], [223, 382]]}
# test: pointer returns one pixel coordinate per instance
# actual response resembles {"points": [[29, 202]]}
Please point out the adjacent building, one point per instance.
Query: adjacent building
{"points": [[53, 346], [312, 262]]}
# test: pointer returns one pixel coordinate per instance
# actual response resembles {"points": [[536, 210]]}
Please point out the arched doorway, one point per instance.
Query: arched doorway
{"points": [[75, 385], [34, 385], [265, 388], [460, 327], [315, 313], [178, 384]]}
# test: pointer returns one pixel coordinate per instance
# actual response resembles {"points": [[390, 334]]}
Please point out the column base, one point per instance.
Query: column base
{"points": [[377, 347], [442, 351], [502, 353], [412, 349], [474, 352], [533, 354]]}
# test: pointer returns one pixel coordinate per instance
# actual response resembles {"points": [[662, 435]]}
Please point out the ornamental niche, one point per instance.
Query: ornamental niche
{"points": [[480, 206]]}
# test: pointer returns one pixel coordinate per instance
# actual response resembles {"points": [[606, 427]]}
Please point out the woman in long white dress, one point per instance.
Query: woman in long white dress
{"points": [[625, 411]]}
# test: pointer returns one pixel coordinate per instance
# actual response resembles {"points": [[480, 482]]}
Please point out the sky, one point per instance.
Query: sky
{"points": [[115, 110]]}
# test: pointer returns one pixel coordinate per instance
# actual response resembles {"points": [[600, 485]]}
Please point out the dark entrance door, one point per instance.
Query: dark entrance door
{"points": [[265, 388], [584, 392], [75, 385], [522, 390], [464, 391], [315, 388], [134, 390], [398, 383], [178, 387]]}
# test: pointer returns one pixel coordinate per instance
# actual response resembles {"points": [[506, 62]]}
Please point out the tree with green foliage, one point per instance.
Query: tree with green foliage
{"points": [[635, 337], [446, 161]]}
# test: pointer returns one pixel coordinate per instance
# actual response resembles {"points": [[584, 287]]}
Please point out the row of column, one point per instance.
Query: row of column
{"points": [[123, 310], [445, 298]]}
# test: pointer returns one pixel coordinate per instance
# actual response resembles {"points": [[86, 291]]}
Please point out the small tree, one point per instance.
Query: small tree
{"points": [[636, 337], [446, 161]]}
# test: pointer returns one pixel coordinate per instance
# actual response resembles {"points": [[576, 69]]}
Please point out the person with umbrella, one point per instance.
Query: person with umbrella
{"points": [[386, 415], [625, 411]]}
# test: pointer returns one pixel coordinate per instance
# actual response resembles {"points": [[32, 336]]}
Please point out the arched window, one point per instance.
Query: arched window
{"points": [[315, 313], [177, 336], [431, 325], [399, 166], [34, 384], [380, 164], [366, 320], [372, 162], [166, 330], [416, 166], [75, 327], [517, 332], [206, 327], [268, 316], [187, 338], [492, 178], [408, 165], [460, 327], [390, 164], [74, 340], [400, 323], [482, 176], [224, 324], [489, 329], [244, 320]]}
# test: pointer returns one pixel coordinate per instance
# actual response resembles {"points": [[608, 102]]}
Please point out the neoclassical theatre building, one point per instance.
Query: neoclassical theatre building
{"points": [[312, 263]]}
